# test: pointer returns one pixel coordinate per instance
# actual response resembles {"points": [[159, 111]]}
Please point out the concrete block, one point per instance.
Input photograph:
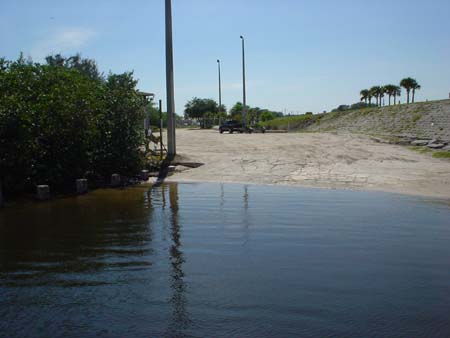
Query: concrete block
{"points": [[82, 186], [145, 175], [420, 142], [115, 180], [436, 146], [43, 192]]}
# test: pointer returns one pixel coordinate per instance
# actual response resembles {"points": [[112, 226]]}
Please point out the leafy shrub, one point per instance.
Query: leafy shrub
{"points": [[355, 106], [267, 116], [59, 122]]}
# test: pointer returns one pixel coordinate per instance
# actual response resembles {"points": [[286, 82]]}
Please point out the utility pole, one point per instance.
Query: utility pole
{"points": [[171, 144], [161, 126], [220, 93], [220, 87], [244, 108]]}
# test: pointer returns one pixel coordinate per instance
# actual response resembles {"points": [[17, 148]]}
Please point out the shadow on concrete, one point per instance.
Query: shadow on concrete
{"points": [[169, 165]]}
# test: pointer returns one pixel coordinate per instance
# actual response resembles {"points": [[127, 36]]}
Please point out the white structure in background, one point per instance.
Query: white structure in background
{"points": [[149, 98]]}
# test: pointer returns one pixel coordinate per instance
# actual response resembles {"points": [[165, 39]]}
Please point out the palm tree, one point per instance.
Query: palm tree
{"points": [[374, 93], [364, 95], [377, 92], [397, 92], [389, 89], [409, 84], [369, 97], [415, 87], [381, 94], [392, 90]]}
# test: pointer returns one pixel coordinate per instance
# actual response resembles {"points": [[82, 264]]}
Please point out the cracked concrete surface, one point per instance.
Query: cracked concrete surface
{"points": [[325, 160]]}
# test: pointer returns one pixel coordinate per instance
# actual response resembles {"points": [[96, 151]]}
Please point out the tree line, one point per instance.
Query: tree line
{"points": [[64, 120], [378, 92], [207, 110]]}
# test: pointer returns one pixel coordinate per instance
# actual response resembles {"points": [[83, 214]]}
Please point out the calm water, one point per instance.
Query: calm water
{"points": [[211, 260]]}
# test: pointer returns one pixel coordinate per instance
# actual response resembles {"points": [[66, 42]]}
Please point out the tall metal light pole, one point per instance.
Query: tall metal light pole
{"points": [[220, 86], [171, 144], [220, 92], [244, 108]]}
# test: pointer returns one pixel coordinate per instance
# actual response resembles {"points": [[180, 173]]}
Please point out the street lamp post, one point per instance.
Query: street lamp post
{"points": [[171, 144], [244, 108], [220, 92]]}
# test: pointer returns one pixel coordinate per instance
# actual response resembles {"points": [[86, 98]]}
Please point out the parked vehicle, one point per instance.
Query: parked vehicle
{"points": [[232, 126]]}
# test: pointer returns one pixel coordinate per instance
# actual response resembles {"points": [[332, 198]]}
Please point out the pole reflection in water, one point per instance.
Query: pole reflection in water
{"points": [[163, 195], [162, 190], [222, 197], [246, 198], [246, 216], [180, 319]]}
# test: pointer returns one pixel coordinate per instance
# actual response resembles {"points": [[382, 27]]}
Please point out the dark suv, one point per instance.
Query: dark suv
{"points": [[233, 126]]}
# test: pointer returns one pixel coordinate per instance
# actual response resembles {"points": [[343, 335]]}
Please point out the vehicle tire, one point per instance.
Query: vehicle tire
{"points": [[221, 131], [231, 131]]}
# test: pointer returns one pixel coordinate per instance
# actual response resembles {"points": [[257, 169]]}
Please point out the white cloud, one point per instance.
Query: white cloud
{"points": [[64, 40]]}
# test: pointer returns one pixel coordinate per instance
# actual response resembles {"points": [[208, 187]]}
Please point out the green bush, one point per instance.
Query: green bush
{"points": [[267, 116], [58, 123]]}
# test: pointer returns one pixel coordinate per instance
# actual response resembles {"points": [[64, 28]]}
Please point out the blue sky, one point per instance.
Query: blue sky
{"points": [[301, 55]]}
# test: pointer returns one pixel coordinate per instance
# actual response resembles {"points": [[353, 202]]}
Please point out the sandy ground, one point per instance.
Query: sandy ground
{"points": [[323, 160]]}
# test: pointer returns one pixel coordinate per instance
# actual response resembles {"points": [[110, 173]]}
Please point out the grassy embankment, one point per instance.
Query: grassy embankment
{"points": [[441, 154], [434, 153], [373, 120], [294, 123], [397, 124]]}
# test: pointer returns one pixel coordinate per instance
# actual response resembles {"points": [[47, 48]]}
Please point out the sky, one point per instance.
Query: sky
{"points": [[301, 55]]}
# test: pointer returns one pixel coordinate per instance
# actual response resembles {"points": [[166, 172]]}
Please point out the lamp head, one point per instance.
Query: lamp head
{"points": [[218, 61], [242, 37]]}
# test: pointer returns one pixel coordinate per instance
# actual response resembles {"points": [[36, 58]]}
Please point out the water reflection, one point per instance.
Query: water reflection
{"points": [[246, 197], [247, 219], [222, 197], [225, 260], [180, 318], [41, 242]]}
